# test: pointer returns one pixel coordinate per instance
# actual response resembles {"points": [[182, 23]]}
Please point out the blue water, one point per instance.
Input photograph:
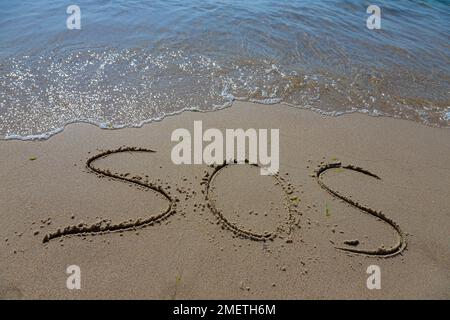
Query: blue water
{"points": [[138, 61]]}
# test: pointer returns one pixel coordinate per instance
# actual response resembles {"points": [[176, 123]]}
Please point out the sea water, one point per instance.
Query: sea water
{"points": [[136, 61]]}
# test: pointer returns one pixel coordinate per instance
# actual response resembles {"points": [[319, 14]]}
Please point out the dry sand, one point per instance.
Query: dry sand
{"points": [[190, 253]]}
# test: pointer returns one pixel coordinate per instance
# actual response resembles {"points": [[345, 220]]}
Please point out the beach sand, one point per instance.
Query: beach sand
{"points": [[188, 252]]}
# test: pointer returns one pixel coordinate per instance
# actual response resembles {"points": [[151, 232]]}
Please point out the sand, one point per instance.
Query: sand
{"points": [[161, 231]]}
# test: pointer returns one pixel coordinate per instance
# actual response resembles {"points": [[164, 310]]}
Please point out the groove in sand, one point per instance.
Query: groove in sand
{"points": [[100, 227], [380, 252], [247, 234]]}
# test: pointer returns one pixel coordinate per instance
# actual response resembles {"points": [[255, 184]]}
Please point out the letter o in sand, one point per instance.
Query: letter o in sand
{"points": [[250, 205]]}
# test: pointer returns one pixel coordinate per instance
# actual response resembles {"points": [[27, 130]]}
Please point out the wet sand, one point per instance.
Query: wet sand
{"points": [[139, 226]]}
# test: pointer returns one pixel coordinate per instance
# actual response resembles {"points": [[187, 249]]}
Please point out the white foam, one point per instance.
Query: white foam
{"points": [[447, 116], [109, 126], [267, 101], [33, 137]]}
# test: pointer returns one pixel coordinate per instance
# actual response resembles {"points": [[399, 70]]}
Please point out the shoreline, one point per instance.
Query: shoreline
{"points": [[192, 253], [47, 135]]}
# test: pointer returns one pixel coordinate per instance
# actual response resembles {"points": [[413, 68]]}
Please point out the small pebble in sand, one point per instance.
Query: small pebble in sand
{"points": [[283, 268], [351, 242], [36, 232]]}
